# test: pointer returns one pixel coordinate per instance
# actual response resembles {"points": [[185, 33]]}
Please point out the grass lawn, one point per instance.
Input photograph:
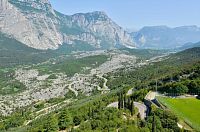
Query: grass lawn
{"points": [[187, 109]]}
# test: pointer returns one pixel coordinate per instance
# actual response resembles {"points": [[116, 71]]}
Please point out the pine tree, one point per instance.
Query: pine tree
{"points": [[129, 103], [132, 108], [154, 124], [89, 112], [52, 124], [65, 120], [119, 101], [122, 103], [125, 104]]}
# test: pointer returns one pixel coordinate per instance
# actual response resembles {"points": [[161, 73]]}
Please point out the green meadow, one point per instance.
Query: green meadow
{"points": [[186, 108]]}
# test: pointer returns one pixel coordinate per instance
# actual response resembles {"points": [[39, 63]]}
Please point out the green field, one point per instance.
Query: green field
{"points": [[187, 109]]}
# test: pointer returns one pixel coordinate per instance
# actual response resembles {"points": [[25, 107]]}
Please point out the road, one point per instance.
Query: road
{"points": [[151, 95], [73, 90], [49, 109], [105, 87], [141, 108]]}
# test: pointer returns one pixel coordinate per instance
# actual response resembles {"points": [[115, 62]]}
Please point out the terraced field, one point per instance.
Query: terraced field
{"points": [[185, 108]]}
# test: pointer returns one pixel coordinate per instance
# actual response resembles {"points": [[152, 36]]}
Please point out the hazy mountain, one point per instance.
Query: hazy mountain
{"points": [[165, 37], [189, 45], [36, 24]]}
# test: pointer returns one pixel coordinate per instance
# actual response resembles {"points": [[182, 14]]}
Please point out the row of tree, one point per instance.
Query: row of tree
{"points": [[182, 87], [126, 103]]}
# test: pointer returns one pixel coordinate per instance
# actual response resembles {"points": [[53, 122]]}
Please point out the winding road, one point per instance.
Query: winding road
{"points": [[105, 87], [141, 108], [73, 90]]}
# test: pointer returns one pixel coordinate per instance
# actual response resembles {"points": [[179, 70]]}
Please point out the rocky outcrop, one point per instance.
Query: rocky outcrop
{"points": [[32, 28], [36, 24], [100, 25]]}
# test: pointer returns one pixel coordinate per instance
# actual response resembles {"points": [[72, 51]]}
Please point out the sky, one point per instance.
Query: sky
{"points": [[135, 14]]}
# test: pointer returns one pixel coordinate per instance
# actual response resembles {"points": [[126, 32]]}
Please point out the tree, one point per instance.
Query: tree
{"points": [[154, 124], [77, 120], [65, 120], [51, 124], [119, 101], [180, 88], [2, 126], [129, 103], [194, 87], [96, 124], [122, 103], [132, 108], [125, 104], [85, 126], [175, 88], [90, 112]]}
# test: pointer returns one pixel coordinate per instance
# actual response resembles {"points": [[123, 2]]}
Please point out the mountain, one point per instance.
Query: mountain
{"points": [[13, 52], [189, 45], [163, 37], [36, 24]]}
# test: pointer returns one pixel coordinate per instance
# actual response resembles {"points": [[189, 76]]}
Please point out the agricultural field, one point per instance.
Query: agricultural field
{"points": [[186, 108]]}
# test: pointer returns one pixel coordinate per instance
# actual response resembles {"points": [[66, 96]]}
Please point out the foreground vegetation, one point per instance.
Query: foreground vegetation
{"points": [[186, 108], [92, 114]]}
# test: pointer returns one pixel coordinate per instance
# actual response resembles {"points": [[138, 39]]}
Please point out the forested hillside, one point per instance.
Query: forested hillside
{"points": [[12, 53], [171, 65]]}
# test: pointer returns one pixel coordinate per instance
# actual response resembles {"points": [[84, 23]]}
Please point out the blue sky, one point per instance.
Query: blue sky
{"points": [[137, 13]]}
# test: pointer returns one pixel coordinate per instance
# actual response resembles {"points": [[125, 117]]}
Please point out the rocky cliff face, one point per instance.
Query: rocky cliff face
{"points": [[36, 24], [29, 22]]}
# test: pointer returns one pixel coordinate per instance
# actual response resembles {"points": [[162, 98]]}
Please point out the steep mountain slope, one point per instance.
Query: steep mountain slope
{"points": [[30, 23], [165, 37], [36, 24], [13, 52]]}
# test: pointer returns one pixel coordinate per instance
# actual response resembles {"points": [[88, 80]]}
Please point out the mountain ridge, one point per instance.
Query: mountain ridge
{"points": [[36, 24], [164, 37]]}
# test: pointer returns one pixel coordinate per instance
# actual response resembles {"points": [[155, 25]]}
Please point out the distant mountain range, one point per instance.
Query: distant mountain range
{"points": [[163, 37], [36, 24], [189, 45]]}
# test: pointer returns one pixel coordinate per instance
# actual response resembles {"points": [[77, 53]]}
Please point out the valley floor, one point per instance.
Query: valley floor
{"points": [[43, 84]]}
